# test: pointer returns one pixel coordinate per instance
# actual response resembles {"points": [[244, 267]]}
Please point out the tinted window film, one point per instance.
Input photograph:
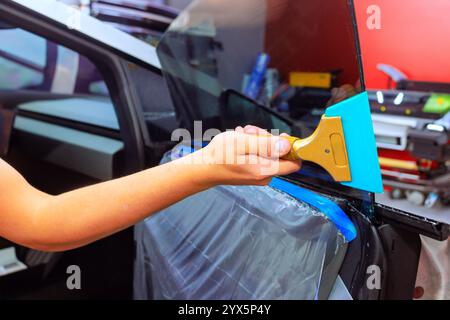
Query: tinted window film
{"points": [[296, 57]]}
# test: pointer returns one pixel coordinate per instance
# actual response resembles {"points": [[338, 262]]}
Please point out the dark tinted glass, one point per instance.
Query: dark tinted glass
{"points": [[296, 57], [237, 109]]}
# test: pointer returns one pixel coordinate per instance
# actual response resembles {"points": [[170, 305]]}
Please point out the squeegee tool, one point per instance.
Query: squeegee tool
{"points": [[344, 145]]}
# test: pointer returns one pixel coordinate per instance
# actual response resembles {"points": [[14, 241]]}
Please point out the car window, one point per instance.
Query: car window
{"points": [[53, 80], [32, 62], [22, 59], [296, 57]]}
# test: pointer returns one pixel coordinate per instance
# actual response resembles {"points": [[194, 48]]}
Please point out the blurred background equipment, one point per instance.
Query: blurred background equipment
{"points": [[144, 19], [407, 77], [412, 122]]}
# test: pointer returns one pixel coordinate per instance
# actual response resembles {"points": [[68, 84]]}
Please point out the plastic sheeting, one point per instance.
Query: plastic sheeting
{"points": [[433, 274], [236, 243]]}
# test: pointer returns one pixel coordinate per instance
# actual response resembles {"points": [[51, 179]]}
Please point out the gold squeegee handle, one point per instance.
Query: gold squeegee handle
{"points": [[325, 147]]}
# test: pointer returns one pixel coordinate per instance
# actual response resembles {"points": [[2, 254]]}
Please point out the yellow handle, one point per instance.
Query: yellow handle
{"points": [[325, 147]]}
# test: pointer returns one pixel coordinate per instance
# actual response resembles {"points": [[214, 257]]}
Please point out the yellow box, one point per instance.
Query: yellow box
{"points": [[310, 79]]}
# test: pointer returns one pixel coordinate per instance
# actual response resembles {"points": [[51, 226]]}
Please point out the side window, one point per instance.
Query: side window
{"points": [[53, 80], [22, 59]]}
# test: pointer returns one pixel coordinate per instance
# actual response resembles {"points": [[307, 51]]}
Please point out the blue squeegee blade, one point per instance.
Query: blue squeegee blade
{"points": [[360, 142]]}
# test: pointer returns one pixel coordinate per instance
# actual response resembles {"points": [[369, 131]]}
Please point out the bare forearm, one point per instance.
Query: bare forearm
{"points": [[82, 216]]}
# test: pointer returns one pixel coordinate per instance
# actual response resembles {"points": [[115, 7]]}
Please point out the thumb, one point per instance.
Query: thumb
{"points": [[282, 147], [266, 145]]}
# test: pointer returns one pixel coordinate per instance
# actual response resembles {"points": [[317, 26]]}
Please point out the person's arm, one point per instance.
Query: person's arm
{"points": [[55, 223]]}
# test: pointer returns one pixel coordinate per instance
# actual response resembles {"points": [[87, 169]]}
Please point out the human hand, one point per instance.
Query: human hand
{"points": [[246, 156]]}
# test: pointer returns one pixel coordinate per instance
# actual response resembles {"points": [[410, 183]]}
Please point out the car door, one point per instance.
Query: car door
{"points": [[214, 47]]}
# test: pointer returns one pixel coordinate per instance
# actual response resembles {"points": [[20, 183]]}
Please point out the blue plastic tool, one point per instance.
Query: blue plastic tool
{"points": [[360, 141]]}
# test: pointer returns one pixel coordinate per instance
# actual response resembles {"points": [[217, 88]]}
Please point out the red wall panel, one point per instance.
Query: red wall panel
{"points": [[414, 37]]}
